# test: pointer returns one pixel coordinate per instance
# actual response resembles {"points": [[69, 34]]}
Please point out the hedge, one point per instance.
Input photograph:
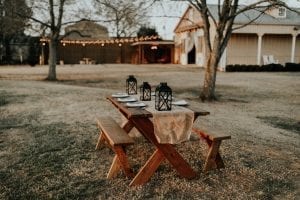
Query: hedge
{"points": [[264, 68]]}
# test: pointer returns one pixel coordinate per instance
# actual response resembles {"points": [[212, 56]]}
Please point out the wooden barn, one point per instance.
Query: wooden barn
{"points": [[87, 42]]}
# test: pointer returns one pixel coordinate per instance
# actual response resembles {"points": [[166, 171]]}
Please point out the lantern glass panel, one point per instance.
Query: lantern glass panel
{"points": [[163, 97], [131, 85], [145, 92]]}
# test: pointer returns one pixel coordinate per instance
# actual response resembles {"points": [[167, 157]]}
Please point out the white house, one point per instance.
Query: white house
{"points": [[273, 37]]}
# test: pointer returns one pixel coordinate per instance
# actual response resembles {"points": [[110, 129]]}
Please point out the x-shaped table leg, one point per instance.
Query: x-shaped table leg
{"points": [[163, 151]]}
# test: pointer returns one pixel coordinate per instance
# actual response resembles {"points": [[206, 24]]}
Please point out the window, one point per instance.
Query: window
{"points": [[282, 12]]}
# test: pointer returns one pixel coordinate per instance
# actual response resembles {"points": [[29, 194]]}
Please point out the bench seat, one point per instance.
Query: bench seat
{"points": [[116, 138], [213, 138]]}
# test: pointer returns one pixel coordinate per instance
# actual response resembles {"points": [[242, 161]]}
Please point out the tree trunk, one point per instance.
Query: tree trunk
{"points": [[7, 47], [52, 60], [208, 92]]}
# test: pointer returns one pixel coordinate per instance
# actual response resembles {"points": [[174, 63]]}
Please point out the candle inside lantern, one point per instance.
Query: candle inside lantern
{"points": [[145, 92]]}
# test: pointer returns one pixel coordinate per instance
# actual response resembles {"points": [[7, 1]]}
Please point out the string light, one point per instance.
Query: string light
{"points": [[103, 42]]}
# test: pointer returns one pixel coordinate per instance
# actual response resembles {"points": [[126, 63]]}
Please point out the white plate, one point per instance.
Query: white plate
{"points": [[180, 103], [120, 95], [136, 104], [127, 99]]}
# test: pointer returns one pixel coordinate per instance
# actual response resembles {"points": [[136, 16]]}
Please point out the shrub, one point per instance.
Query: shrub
{"points": [[293, 67], [263, 68]]}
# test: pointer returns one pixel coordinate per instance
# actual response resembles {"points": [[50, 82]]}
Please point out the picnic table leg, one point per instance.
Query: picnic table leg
{"points": [[148, 169], [114, 168], [123, 161], [101, 139], [214, 159], [219, 161], [127, 126], [176, 160], [145, 127], [120, 162]]}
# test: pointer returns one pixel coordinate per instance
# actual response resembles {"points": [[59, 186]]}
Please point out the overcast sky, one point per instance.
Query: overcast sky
{"points": [[166, 25], [164, 14]]}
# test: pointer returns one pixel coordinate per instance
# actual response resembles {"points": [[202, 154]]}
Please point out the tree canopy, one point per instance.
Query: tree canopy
{"points": [[124, 16], [11, 25], [146, 31], [10, 20]]}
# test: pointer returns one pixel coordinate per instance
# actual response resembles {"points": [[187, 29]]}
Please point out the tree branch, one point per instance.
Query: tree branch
{"points": [[250, 22]]}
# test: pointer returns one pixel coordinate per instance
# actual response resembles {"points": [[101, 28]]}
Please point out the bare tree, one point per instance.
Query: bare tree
{"points": [[223, 23], [49, 16], [125, 16], [11, 23]]}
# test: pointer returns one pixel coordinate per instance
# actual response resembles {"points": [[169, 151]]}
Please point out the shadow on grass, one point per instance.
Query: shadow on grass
{"points": [[283, 123], [6, 98], [222, 95], [99, 83]]}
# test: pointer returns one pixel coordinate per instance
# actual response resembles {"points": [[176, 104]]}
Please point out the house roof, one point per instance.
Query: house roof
{"points": [[292, 18], [86, 29]]}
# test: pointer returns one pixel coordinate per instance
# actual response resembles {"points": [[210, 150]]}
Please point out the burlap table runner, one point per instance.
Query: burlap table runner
{"points": [[172, 126]]}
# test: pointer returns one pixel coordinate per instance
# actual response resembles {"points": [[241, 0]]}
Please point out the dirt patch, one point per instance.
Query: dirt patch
{"points": [[48, 134]]}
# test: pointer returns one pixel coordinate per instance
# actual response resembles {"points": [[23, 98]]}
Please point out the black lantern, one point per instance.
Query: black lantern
{"points": [[145, 92], [163, 97], [131, 85]]}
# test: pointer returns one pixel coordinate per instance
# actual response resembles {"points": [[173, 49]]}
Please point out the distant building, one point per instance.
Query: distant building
{"points": [[86, 29], [147, 52], [20, 49], [87, 42], [273, 37]]}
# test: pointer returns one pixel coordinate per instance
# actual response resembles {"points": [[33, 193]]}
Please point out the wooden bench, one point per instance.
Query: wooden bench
{"points": [[116, 138], [213, 139]]}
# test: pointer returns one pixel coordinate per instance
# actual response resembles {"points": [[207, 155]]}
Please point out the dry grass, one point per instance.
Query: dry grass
{"points": [[48, 135]]}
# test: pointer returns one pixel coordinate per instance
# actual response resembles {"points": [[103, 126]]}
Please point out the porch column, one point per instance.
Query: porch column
{"points": [[140, 54], [293, 47], [259, 48]]}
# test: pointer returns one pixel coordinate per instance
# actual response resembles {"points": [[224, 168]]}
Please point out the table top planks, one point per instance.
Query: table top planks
{"points": [[141, 112]]}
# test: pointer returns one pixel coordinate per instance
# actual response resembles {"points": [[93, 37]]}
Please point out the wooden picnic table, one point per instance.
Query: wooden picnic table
{"points": [[141, 120]]}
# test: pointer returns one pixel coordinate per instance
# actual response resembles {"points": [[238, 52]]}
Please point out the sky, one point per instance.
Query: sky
{"points": [[164, 15], [166, 25]]}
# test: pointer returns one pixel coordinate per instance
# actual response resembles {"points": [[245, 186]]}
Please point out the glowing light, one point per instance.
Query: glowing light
{"points": [[101, 42]]}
